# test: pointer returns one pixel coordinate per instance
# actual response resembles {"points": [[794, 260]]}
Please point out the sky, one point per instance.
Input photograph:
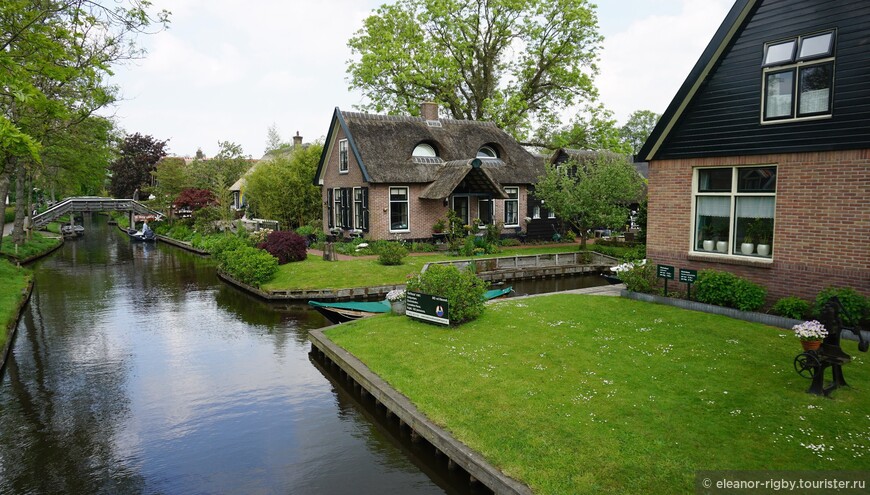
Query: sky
{"points": [[226, 70]]}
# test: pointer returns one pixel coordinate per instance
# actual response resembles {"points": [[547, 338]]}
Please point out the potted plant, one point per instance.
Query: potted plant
{"points": [[748, 244], [707, 233], [397, 301], [811, 333], [761, 230], [439, 226]]}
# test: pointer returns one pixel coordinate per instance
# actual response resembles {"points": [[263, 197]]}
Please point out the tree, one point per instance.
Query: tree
{"points": [[637, 129], [516, 63], [171, 177], [226, 167], [138, 155], [282, 189], [194, 199], [273, 139], [591, 193], [593, 129]]}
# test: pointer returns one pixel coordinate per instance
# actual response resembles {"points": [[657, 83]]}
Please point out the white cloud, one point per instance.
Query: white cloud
{"points": [[643, 66]]}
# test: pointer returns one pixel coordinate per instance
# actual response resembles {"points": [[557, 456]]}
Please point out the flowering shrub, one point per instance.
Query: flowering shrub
{"points": [[638, 276], [810, 331], [396, 295]]}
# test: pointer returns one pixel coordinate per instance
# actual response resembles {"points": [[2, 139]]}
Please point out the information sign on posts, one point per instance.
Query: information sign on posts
{"points": [[424, 307], [666, 272], [688, 276]]}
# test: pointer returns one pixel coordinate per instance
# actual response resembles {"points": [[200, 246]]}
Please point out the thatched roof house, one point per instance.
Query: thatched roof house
{"points": [[389, 176]]}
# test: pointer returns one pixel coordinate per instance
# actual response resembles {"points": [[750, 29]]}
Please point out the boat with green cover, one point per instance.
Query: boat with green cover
{"points": [[340, 312]]}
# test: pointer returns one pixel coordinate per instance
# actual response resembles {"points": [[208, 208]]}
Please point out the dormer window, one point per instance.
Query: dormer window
{"points": [[487, 151], [798, 78], [424, 150]]}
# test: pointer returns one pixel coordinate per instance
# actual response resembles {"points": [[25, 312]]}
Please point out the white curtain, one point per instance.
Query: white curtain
{"points": [[714, 206], [756, 207]]}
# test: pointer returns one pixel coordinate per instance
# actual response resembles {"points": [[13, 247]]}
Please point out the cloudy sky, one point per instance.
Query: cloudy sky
{"points": [[228, 69]]}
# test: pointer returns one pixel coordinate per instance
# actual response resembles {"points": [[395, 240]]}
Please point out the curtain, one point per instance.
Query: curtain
{"points": [[755, 207], [714, 206]]}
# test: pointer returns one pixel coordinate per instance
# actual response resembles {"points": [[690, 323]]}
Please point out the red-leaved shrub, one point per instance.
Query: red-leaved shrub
{"points": [[285, 245]]}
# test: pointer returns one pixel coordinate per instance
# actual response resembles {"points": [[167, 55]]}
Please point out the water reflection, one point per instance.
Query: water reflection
{"points": [[136, 371]]}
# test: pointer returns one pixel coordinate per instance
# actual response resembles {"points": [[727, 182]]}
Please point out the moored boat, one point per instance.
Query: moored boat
{"points": [[144, 235], [341, 312]]}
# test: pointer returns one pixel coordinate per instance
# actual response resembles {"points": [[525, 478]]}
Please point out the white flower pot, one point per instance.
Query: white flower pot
{"points": [[722, 246], [397, 307], [764, 249], [747, 247], [708, 245]]}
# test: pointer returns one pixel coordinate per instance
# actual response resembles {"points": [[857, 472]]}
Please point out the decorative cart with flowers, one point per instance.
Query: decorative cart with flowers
{"points": [[821, 341]]}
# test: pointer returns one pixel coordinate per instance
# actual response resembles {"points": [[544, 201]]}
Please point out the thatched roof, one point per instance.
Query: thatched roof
{"points": [[384, 145], [476, 174]]}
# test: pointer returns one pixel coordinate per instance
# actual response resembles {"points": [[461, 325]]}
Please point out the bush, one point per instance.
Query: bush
{"points": [[286, 246], [855, 305], [463, 290], [391, 253], [570, 236], [249, 265], [641, 277], [510, 242], [728, 290], [791, 307], [205, 220], [220, 244]]}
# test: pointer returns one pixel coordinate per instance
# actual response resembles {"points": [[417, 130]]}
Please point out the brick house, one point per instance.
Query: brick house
{"points": [[761, 164], [394, 177]]}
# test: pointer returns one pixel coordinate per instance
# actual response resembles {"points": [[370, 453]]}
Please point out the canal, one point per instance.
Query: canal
{"points": [[135, 370]]}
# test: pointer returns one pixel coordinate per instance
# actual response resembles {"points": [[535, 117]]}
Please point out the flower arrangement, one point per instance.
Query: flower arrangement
{"points": [[624, 267], [396, 295], [810, 331]]}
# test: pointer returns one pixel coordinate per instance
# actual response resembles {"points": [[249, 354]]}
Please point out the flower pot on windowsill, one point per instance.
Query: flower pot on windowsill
{"points": [[747, 247], [708, 245], [763, 249], [722, 246]]}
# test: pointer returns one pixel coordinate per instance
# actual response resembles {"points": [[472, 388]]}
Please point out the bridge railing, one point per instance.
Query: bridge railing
{"points": [[88, 204]]}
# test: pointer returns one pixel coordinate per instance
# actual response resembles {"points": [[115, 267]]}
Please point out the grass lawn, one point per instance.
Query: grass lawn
{"points": [[314, 273], [38, 244], [590, 394], [14, 280]]}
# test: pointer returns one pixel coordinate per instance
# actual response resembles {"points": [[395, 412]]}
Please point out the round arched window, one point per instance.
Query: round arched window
{"points": [[424, 149], [487, 152]]}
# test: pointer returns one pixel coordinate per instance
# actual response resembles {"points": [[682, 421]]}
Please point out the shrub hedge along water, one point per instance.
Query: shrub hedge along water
{"points": [[249, 265]]}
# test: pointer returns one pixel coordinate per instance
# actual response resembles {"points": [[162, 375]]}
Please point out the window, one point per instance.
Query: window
{"points": [[399, 209], [551, 214], [512, 207], [358, 208], [487, 152], [336, 210], [536, 212], [424, 149], [460, 206], [734, 211], [342, 156], [484, 211], [798, 78]]}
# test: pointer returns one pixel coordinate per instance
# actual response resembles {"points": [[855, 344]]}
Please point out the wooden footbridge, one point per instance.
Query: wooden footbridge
{"points": [[91, 204]]}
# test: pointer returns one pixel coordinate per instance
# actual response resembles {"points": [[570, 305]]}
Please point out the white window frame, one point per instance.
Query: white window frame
{"points": [[357, 203], [515, 191], [794, 65], [407, 202], [733, 250], [536, 212], [336, 207], [343, 159]]}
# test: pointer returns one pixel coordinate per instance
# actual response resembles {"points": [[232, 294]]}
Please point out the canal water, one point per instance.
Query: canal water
{"points": [[135, 370]]}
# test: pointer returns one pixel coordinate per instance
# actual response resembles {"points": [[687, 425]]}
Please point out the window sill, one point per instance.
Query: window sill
{"points": [[727, 259], [343, 171], [400, 231]]}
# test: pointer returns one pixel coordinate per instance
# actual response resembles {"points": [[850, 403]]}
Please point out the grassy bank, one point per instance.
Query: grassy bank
{"points": [[37, 245], [314, 273], [14, 279], [585, 394]]}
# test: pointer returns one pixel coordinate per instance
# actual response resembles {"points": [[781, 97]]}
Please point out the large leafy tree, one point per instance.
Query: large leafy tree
{"points": [[639, 126], [282, 189], [55, 56], [591, 193], [514, 62], [137, 157], [593, 129], [171, 176]]}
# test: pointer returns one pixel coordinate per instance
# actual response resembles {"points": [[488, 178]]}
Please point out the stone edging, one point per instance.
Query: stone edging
{"points": [[765, 319], [13, 325], [394, 401]]}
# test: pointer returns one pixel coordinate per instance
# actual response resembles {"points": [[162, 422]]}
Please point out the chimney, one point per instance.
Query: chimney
{"points": [[429, 110], [297, 140]]}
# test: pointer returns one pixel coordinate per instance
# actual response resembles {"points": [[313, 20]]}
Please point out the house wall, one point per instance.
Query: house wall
{"points": [[821, 230]]}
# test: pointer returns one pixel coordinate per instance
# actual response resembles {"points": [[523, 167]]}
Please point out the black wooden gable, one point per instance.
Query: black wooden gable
{"points": [[718, 110]]}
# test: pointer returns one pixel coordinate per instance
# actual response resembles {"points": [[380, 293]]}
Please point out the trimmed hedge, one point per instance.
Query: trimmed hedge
{"points": [[791, 307], [728, 290]]}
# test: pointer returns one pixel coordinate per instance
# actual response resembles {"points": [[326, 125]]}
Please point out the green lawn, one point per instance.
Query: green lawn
{"points": [[590, 394], [314, 273], [14, 280], [38, 244]]}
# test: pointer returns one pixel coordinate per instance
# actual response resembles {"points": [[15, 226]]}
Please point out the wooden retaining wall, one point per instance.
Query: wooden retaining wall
{"points": [[533, 266], [457, 453]]}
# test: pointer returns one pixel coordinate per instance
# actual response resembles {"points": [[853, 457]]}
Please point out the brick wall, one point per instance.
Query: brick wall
{"points": [[822, 224]]}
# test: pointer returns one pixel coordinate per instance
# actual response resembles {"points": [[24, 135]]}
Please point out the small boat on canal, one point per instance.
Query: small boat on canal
{"points": [[144, 235], [71, 231], [341, 312]]}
